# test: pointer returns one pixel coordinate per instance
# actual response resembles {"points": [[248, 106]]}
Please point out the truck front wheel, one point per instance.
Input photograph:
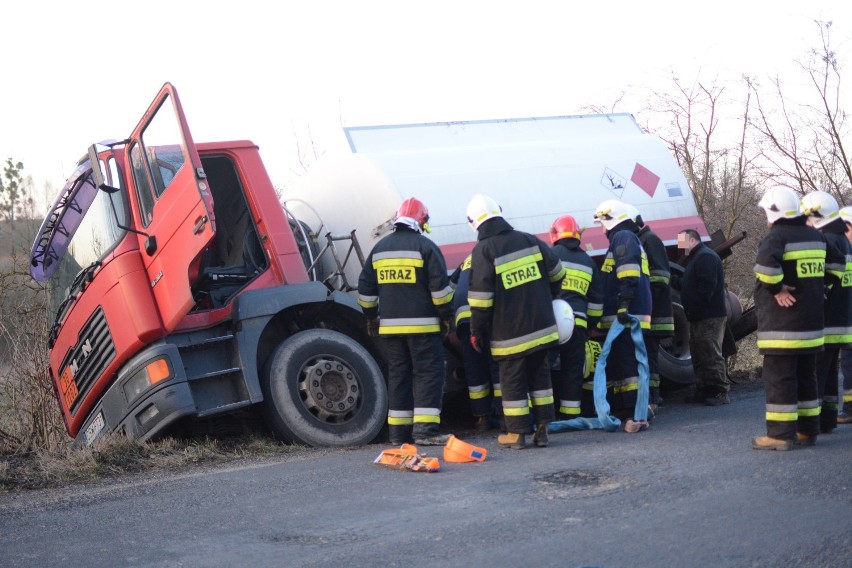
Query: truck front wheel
{"points": [[322, 388]]}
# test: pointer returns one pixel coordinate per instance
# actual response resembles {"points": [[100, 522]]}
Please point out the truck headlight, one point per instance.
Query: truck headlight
{"points": [[152, 373]]}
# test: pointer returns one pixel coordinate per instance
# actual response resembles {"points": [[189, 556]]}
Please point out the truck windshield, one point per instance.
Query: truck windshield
{"points": [[81, 229], [97, 234]]}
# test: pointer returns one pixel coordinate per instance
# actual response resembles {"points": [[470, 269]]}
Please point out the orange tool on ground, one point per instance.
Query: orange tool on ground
{"points": [[407, 458], [459, 451]]}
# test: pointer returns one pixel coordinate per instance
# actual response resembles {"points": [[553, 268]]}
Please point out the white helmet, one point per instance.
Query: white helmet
{"points": [[564, 319], [821, 208], [480, 209], [612, 212], [780, 203], [846, 214], [632, 211]]}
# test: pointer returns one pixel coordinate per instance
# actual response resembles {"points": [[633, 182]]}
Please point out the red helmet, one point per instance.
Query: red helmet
{"points": [[413, 209], [565, 227]]}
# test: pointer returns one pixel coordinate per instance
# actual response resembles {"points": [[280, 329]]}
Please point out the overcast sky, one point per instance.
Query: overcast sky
{"points": [[267, 71]]}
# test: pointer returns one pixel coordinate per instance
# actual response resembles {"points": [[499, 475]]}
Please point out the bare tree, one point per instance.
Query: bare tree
{"points": [[29, 415], [15, 190], [805, 141]]}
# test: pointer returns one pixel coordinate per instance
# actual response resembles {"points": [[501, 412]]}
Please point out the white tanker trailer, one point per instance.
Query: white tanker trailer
{"points": [[536, 168]]}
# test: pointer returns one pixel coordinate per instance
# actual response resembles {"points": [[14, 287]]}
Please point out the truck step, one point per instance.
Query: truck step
{"points": [[224, 408], [206, 343], [216, 373]]}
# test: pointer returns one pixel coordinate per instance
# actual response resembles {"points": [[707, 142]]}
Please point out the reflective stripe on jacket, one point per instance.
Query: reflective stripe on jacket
{"points": [[625, 278], [404, 283], [790, 254], [662, 318], [838, 268], [461, 279], [581, 285], [514, 277]]}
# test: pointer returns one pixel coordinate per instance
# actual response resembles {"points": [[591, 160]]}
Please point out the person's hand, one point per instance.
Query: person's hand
{"points": [[623, 316], [373, 327], [785, 298], [446, 329], [476, 343]]}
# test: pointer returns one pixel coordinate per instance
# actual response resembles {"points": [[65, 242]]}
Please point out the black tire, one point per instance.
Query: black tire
{"points": [[674, 359], [746, 324], [322, 388]]}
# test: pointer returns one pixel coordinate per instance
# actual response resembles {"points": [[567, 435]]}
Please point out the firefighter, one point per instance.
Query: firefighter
{"points": [[844, 413], [790, 268], [480, 371], [514, 277], [662, 318], [824, 214], [581, 288], [626, 291], [405, 294]]}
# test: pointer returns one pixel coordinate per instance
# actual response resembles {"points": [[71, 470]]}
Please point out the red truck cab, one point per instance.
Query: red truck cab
{"points": [[181, 292]]}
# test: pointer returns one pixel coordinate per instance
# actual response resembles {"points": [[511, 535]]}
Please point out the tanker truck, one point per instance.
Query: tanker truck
{"points": [[185, 293], [535, 168]]}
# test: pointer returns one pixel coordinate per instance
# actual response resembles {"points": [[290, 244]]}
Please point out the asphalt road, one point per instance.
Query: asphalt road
{"points": [[688, 492]]}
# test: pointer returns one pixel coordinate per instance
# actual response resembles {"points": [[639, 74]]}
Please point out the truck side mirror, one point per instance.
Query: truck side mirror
{"points": [[100, 183]]}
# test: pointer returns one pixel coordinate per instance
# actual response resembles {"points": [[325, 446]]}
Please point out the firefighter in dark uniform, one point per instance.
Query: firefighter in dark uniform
{"points": [[790, 269], [514, 277], [626, 291], [824, 215], [662, 319], [481, 376], [405, 294], [581, 288], [844, 413]]}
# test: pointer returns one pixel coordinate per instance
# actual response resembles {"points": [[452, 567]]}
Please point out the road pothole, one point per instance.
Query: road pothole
{"points": [[577, 483]]}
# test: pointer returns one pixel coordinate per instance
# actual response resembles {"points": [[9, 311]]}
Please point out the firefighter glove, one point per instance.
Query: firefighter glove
{"points": [[623, 305], [446, 329], [373, 327], [476, 343]]}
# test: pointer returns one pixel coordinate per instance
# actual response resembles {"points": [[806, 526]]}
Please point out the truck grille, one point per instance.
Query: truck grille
{"points": [[93, 353]]}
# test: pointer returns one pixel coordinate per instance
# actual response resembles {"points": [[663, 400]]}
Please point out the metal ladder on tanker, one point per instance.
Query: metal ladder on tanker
{"points": [[337, 279]]}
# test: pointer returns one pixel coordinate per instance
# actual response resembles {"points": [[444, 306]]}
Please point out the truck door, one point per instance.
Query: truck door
{"points": [[175, 204]]}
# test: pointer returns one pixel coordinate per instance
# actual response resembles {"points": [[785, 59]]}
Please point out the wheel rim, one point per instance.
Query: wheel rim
{"points": [[329, 389]]}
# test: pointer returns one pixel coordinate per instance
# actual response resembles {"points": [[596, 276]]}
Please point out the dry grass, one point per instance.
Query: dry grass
{"points": [[745, 366], [116, 455]]}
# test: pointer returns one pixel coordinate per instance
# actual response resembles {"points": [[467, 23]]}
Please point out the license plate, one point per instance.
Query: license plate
{"points": [[94, 428]]}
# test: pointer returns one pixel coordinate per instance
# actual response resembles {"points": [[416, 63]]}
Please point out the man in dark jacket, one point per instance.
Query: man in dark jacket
{"points": [[514, 278], [404, 281], [702, 293]]}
